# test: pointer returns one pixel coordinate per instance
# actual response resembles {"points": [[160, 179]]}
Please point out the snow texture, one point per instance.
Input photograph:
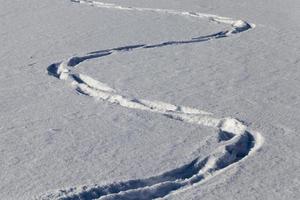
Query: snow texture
{"points": [[98, 125]]}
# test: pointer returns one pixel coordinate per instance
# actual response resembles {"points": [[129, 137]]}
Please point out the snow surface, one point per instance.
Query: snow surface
{"points": [[147, 99]]}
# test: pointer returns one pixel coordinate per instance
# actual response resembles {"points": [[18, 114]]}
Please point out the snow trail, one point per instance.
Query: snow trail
{"points": [[237, 142]]}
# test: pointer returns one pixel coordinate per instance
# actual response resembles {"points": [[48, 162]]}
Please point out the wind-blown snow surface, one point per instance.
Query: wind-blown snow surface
{"points": [[53, 139]]}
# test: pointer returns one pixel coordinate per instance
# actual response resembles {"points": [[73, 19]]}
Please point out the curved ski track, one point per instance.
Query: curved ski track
{"points": [[237, 142]]}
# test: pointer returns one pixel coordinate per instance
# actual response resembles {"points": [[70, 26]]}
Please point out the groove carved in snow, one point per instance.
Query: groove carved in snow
{"points": [[237, 142]]}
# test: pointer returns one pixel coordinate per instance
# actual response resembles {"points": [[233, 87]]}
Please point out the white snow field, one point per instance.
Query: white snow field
{"points": [[149, 99]]}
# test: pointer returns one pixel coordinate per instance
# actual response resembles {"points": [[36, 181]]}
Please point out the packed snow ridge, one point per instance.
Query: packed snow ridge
{"points": [[237, 142]]}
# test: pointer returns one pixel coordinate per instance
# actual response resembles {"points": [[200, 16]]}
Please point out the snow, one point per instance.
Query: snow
{"points": [[149, 99]]}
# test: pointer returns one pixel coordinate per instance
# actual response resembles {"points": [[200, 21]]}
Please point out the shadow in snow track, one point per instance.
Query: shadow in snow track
{"points": [[161, 185]]}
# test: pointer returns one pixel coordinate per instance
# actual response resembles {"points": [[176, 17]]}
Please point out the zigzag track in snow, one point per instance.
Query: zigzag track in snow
{"points": [[237, 142]]}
